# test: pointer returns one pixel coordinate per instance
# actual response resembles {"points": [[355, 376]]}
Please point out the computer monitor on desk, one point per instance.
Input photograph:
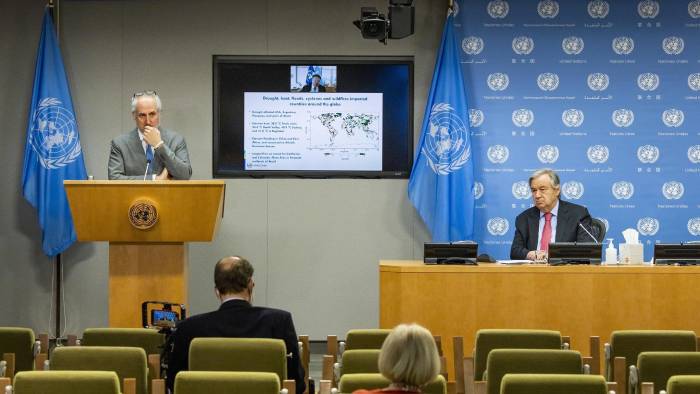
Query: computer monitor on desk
{"points": [[563, 253], [684, 253], [450, 253]]}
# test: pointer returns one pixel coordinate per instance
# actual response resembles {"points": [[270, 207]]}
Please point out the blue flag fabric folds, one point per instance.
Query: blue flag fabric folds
{"points": [[52, 152], [442, 178]]}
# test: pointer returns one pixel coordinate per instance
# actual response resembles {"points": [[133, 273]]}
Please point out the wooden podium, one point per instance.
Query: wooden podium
{"points": [[145, 263]]}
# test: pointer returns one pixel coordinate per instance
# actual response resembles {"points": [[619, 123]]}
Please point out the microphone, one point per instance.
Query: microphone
{"points": [[588, 232], [149, 158]]}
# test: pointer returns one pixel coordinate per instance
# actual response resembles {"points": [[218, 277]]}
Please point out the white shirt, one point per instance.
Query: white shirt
{"points": [[555, 213]]}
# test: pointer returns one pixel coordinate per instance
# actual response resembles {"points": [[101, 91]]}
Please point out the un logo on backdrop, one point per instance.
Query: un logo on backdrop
{"points": [[523, 117], [572, 45], [548, 9], [598, 154], [498, 81], [523, 45], [694, 226], [572, 190], [648, 81], [623, 117], [478, 190], [548, 81], [648, 9], [623, 45], [472, 45], [521, 190], [572, 117], [623, 190], [476, 117], [673, 190], [648, 154], [548, 154], [694, 154], [673, 45], [694, 80], [694, 9], [673, 117], [648, 226], [598, 9], [446, 144], [498, 226], [498, 154], [598, 81], [498, 9]]}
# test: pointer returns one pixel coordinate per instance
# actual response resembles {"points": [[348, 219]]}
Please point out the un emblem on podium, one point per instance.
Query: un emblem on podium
{"points": [[143, 214]]}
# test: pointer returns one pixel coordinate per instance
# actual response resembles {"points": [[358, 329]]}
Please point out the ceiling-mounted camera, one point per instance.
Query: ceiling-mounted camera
{"points": [[376, 26]]}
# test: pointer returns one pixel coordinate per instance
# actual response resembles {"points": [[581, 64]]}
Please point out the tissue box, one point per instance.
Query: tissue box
{"points": [[631, 253]]}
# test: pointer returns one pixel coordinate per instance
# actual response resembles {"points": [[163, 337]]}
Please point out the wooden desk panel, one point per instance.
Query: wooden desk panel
{"points": [[578, 301]]}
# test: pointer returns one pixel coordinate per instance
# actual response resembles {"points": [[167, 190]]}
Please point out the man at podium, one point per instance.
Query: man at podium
{"points": [[549, 220], [148, 152]]}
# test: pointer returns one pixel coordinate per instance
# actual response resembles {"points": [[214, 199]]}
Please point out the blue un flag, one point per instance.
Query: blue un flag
{"points": [[443, 173], [52, 152]]}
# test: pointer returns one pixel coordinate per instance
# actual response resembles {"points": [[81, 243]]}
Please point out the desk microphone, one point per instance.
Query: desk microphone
{"points": [[588, 232]]}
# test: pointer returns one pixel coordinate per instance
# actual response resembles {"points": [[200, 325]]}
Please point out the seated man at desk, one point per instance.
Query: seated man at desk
{"points": [[550, 220]]}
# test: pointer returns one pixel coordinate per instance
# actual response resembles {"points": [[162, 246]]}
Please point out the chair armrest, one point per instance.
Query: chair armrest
{"points": [[290, 385], [72, 340], [154, 366], [586, 370], [469, 380], [327, 368], [129, 386], [9, 366], [452, 387], [158, 386], [6, 385], [324, 387], [620, 377], [40, 361], [632, 380], [647, 388], [594, 351], [458, 356], [337, 371], [44, 339], [480, 387], [332, 346], [305, 350], [566, 342], [612, 387]]}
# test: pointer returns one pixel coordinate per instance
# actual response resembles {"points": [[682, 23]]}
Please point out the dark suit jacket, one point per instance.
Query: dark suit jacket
{"points": [[127, 160], [307, 88], [568, 230], [236, 319]]}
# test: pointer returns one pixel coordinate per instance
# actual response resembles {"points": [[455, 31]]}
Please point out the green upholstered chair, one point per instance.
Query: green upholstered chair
{"points": [[365, 339], [241, 354], [66, 382], [683, 384], [127, 362], [549, 361], [151, 341], [218, 382], [553, 384], [358, 361], [659, 367], [20, 342], [369, 381], [625, 346]]}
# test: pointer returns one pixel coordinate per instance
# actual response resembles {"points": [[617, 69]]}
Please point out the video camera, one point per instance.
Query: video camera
{"points": [[376, 26]]}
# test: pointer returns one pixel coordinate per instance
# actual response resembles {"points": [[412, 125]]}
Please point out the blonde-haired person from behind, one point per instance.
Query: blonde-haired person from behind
{"points": [[409, 359]]}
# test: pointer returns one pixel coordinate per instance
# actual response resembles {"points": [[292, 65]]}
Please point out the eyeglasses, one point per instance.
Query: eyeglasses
{"points": [[145, 93]]}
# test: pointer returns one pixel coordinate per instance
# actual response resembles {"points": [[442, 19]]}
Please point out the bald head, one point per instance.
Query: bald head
{"points": [[233, 275]]}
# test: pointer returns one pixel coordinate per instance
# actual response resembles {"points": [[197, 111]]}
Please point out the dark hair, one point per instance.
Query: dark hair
{"points": [[232, 274], [316, 75]]}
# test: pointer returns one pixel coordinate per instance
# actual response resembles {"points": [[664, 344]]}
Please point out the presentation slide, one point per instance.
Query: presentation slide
{"points": [[313, 131]]}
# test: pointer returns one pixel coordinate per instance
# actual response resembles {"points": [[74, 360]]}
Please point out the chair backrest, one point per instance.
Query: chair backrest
{"points": [[370, 381], [208, 382], [599, 229], [151, 341], [658, 367], [239, 354], [66, 382], [489, 339], [365, 338], [630, 343], [360, 361], [127, 362], [683, 384], [19, 341], [549, 361], [553, 384]]}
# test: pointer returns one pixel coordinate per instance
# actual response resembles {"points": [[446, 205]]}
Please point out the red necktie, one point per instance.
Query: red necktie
{"points": [[546, 232]]}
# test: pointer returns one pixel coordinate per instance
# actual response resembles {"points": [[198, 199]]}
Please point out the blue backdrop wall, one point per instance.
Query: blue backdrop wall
{"points": [[605, 92]]}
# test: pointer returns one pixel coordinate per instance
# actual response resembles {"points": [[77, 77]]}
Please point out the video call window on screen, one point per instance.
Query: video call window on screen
{"points": [[301, 76]]}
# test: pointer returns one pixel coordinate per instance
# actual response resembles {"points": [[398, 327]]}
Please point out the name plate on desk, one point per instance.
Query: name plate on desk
{"points": [[450, 253]]}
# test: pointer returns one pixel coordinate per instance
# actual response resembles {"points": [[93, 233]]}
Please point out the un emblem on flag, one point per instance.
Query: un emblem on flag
{"points": [[53, 136], [143, 214], [673, 190], [694, 226], [446, 144], [648, 226]]}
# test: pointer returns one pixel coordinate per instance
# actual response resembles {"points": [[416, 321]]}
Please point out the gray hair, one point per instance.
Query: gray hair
{"points": [[409, 356], [135, 99], [553, 177]]}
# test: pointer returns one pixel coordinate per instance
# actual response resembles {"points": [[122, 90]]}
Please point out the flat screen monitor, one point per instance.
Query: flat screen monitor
{"points": [[677, 254], [562, 253], [450, 253], [317, 117]]}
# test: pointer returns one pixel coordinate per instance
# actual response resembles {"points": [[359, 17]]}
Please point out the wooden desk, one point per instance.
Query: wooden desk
{"points": [[578, 301]]}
